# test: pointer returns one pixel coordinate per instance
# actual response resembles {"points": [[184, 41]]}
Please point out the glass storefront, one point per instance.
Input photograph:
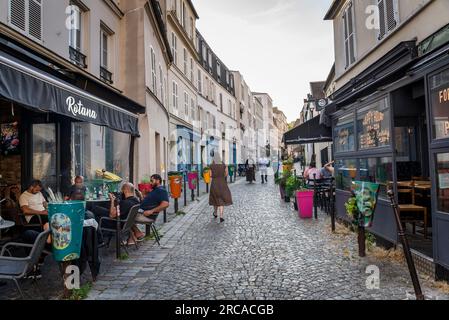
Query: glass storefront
{"points": [[45, 154], [439, 91], [373, 125], [344, 134], [378, 170], [345, 172], [442, 170], [97, 148]]}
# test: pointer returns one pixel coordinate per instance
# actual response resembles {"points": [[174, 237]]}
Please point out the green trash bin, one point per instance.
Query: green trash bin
{"points": [[66, 224]]}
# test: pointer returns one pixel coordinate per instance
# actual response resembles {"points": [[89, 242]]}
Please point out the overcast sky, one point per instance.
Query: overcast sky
{"points": [[278, 45]]}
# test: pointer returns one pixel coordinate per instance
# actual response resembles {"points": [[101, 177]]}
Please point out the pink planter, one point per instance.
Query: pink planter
{"points": [[193, 180], [305, 204]]}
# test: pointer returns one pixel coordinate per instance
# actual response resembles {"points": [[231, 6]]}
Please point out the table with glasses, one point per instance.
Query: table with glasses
{"points": [[5, 225]]}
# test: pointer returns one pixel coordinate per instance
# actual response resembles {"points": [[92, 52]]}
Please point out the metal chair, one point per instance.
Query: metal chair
{"points": [[150, 227], [125, 230], [15, 269]]}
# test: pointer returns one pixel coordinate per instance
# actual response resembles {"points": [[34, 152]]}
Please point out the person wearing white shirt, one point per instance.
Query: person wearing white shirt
{"points": [[263, 167], [33, 204]]}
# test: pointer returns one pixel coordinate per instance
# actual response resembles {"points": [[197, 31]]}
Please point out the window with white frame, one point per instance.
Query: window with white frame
{"points": [[26, 16], [174, 47], [153, 71], [175, 96], [388, 17], [161, 84], [192, 109], [191, 71], [104, 44], [185, 61], [200, 80], [183, 15], [221, 102], [230, 107], [349, 34], [76, 26], [209, 60], [186, 104]]}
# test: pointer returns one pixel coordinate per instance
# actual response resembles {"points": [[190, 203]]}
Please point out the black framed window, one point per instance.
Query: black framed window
{"points": [[345, 172], [377, 170], [344, 134], [373, 125], [439, 97], [442, 176]]}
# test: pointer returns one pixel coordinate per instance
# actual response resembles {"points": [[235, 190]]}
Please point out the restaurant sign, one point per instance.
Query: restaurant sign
{"points": [[440, 105], [79, 109]]}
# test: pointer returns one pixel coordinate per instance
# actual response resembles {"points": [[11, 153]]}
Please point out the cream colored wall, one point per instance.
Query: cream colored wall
{"points": [[425, 20]]}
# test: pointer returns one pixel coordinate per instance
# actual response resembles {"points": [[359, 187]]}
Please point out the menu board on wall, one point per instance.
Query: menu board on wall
{"points": [[440, 105], [9, 138], [373, 132]]}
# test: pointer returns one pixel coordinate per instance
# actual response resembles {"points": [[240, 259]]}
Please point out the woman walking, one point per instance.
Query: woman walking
{"points": [[220, 195]]}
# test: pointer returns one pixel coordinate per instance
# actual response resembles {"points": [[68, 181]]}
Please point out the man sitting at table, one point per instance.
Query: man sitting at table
{"points": [[33, 204], [155, 202], [77, 188], [127, 201]]}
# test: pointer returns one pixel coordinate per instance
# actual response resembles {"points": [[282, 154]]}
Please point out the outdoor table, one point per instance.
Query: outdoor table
{"points": [[104, 203], [4, 225]]}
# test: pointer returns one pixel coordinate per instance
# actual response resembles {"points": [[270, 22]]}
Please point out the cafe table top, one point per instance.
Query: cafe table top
{"points": [[6, 224]]}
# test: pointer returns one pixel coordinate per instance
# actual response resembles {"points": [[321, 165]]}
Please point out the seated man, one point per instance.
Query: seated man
{"points": [[33, 204], [127, 201], [155, 202], [77, 188]]}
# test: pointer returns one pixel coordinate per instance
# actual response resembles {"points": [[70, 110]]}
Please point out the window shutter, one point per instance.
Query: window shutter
{"points": [[17, 16], [35, 19], [392, 14], [382, 19]]}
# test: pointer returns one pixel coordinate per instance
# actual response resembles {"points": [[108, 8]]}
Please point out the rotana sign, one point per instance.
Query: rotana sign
{"points": [[78, 109]]}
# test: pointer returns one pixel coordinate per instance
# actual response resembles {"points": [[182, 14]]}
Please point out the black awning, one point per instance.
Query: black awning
{"points": [[309, 132], [27, 85]]}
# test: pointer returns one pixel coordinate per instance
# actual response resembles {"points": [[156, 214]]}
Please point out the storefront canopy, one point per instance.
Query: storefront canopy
{"points": [[309, 132], [34, 88]]}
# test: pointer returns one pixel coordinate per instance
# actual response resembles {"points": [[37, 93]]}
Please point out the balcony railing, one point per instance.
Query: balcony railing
{"points": [[106, 75], [77, 57]]}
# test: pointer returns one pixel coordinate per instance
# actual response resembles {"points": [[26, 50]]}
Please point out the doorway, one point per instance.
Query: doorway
{"points": [[412, 166]]}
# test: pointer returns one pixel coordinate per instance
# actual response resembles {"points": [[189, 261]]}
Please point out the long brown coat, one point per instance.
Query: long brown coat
{"points": [[220, 195]]}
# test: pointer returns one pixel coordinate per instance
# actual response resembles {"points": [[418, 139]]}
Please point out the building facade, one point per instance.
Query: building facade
{"points": [[388, 114]]}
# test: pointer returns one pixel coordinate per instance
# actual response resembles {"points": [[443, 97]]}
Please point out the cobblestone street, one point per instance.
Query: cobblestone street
{"points": [[262, 251]]}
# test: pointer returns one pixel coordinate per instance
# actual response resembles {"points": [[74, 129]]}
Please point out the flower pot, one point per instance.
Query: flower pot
{"points": [[175, 186], [305, 204], [192, 178], [206, 177]]}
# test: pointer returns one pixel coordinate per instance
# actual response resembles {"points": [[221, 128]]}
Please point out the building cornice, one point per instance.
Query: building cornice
{"points": [[113, 6], [159, 26], [334, 9]]}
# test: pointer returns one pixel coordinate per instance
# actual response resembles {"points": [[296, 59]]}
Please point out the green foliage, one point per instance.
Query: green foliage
{"points": [[123, 256], [146, 180], [283, 179], [370, 240], [351, 208], [180, 213], [81, 293], [294, 184]]}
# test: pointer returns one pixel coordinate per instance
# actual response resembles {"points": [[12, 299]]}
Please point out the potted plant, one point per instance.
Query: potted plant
{"points": [[304, 199], [283, 185], [288, 164]]}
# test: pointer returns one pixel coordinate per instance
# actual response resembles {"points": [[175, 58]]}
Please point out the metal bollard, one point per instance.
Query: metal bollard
{"points": [[185, 189], [165, 211]]}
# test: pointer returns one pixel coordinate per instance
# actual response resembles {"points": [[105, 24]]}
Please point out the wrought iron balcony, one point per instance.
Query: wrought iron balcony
{"points": [[106, 75], [77, 57]]}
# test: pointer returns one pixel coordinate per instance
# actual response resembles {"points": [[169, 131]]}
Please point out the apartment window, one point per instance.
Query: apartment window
{"points": [[349, 34], [204, 51], [105, 74], [161, 83], [174, 47], [221, 102], [186, 104], [200, 80], [192, 109], [175, 96], [209, 59], [191, 70], [75, 30], [218, 70], [26, 16], [185, 61], [230, 107], [183, 15], [153, 71], [214, 122], [192, 28], [388, 17]]}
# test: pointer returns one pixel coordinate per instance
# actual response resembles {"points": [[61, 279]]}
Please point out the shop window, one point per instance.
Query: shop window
{"points": [[439, 86], [345, 172], [96, 148], [377, 170], [442, 168], [344, 134], [44, 154], [373, 125]]}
